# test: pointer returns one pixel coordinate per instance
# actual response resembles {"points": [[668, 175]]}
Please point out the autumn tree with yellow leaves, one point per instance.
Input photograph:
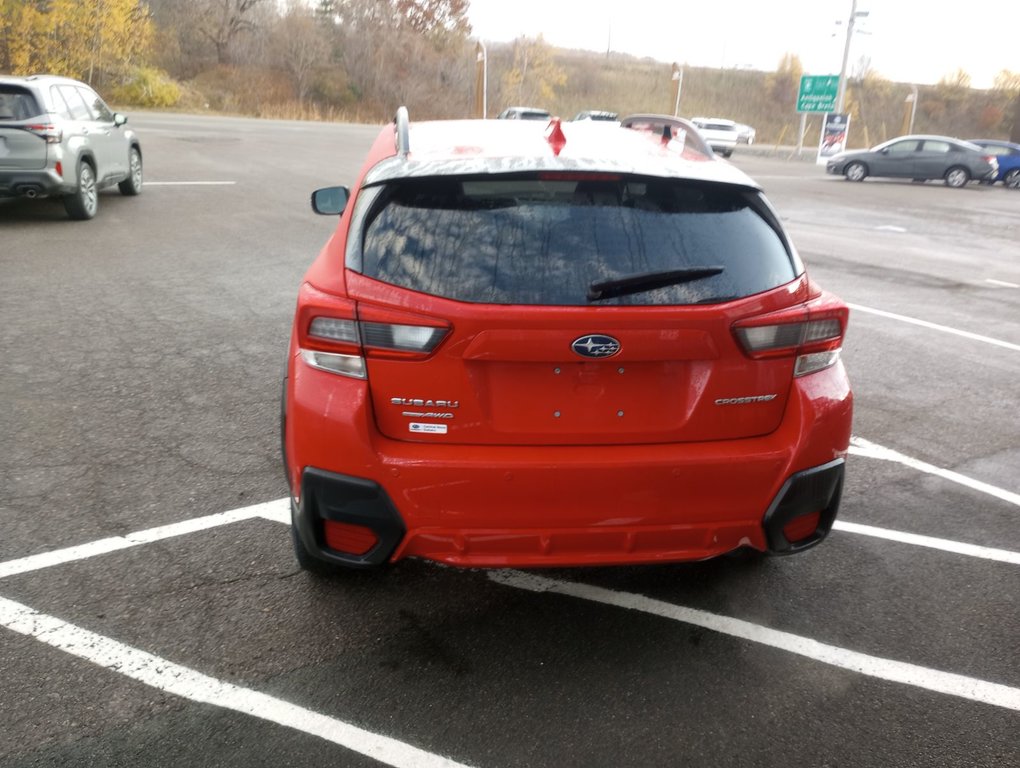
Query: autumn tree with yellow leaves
{"points": [[76, 38]]}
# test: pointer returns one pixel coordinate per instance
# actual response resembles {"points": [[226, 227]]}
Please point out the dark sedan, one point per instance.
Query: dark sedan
{"points": [[1008, 155], [919, 158]]}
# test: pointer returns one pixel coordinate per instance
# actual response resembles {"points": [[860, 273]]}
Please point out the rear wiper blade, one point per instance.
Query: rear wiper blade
{"points": [[648, 281]]}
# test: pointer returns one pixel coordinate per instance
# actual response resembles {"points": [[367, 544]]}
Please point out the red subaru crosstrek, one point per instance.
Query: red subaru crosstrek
{"points": [[546, 344]]}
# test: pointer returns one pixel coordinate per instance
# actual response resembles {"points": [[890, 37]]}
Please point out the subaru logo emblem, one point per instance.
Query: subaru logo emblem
{"points": [[595, 345]]}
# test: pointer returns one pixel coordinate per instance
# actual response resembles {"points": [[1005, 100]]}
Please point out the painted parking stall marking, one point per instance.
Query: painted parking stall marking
{"points": [[862, 447], [181, 681], [935, 680], [188, 183], [935, 327], [930, 542], [270, 510]]}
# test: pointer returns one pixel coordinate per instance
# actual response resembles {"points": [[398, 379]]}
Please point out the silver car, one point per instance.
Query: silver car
{"points": [[919, 158], [59, 139]]}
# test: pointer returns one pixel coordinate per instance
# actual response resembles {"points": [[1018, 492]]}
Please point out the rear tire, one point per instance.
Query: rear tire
{"points": [[83, 203], [1012, 179], [307, 562], [132, 185], [856, 172], [957, 177]]}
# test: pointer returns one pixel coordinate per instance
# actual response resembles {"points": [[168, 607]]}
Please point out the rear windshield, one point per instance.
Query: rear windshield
{"points": [[546, 239], [17, 103]]}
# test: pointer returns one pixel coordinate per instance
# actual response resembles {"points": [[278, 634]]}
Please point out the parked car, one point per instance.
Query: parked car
{"points": [[1007, 155], [596, 114], [675, 128], [721, 134], [919, 158], [59, 139], [556, 351], [523, 113]]}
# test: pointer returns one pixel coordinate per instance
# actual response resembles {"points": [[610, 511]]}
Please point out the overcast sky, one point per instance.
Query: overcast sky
{"points": [[907, 40]]}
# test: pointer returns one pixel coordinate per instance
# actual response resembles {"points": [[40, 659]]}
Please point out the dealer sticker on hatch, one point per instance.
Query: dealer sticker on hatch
{"points": [[428, 429]]}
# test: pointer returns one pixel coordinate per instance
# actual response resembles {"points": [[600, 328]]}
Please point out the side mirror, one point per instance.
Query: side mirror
{"points": [[330, 201], [119, 119], [885, 151]]}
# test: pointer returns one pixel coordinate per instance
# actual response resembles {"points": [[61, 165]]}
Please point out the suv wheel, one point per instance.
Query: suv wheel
{"points": [[83, 203], [132, 185]]}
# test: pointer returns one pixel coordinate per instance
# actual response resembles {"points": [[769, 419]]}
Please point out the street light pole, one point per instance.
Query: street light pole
{"points": [[854, 14], [482, 58]]}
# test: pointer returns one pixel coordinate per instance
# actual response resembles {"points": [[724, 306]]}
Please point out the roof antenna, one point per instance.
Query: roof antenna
{"points": [[403, 132]]}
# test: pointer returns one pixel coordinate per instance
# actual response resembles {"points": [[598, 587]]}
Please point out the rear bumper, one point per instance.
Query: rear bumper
{"points": [[566, 506], [328, 498], [44, 182]]}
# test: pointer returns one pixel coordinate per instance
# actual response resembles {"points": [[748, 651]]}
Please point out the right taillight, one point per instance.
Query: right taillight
{"points": [[811, 332], [47, 131], [336, 334]]}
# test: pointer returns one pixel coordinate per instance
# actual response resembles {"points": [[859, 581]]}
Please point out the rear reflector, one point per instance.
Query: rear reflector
{"points": [[801, 527], [349, 538]]}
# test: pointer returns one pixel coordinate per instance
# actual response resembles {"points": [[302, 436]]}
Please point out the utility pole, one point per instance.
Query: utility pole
{"points": [[854, 15], [481, 81], [678, 78]]}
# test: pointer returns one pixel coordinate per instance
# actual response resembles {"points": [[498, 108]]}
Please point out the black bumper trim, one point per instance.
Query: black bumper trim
{"points": [[345, 499], [818, 489]]}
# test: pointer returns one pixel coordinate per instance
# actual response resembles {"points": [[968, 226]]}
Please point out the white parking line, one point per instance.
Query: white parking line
{"points": [[270, 510], [188, 183], [948, 683], [182, 681], [936, 327], [930, 542], [1002, 283], [861, 447]]}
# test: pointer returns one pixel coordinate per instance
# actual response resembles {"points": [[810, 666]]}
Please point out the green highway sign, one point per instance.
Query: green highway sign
{"points": [[817, 93]]}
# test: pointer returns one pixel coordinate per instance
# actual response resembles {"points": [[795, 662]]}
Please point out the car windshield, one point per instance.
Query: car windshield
{"points": [[545, 240]]}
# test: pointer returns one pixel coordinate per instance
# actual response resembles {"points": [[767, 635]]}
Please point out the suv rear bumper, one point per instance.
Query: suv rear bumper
{"points": [[567, 506], [44, 182]]}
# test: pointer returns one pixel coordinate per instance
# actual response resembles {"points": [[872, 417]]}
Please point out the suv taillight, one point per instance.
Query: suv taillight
{"points": [[812, 332], [47, 131], [337, 334]]}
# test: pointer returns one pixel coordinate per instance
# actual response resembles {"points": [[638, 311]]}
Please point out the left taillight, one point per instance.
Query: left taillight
{"points": [[47, 131], [337, 335], [812, 333]]}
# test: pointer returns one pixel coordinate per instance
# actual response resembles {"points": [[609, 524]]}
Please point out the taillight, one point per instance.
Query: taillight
{"points": [[48, 131], [811, 332], [337, 335]]}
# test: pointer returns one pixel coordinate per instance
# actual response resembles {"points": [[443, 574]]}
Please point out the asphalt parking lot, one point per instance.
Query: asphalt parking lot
{"points": [[151, 612]]}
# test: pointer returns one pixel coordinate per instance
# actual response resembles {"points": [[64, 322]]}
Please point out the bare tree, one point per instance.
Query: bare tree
{"points": [[222, 22], [299, 44]]}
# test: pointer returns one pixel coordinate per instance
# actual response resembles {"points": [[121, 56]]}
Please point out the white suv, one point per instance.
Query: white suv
{"points": [[721, 134], [59, 139]]}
